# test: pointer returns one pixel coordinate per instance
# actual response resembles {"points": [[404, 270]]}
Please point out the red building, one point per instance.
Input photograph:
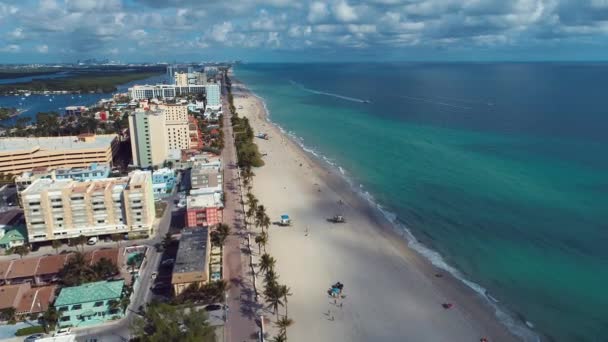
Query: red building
{"points": [[204, 210]]}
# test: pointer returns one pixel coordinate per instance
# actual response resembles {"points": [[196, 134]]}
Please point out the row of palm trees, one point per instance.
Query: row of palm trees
{"points": [[275, 294]]}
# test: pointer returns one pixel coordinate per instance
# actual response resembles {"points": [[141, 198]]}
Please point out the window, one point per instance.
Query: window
{"points": [[77, 307], [63, 308], [65, 318], [98, 304]]}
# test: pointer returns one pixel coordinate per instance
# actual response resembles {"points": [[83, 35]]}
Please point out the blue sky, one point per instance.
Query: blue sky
{"points": [[286, 30]]}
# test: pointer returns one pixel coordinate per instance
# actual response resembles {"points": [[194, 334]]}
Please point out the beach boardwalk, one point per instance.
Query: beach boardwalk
{"points": [[241, 320]]}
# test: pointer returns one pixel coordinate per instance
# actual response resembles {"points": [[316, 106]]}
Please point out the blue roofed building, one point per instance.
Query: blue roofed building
{"points": [[163, 182], [88, 304]]}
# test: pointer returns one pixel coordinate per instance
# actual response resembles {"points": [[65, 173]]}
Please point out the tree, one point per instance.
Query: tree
{"points": [[8, 314], [124, 303], [261, 240], [167, 240], [267, 263], [105, 268], [113, 305], [21, 250], [223, 231], [117, 238], [78, 241], [252, 206], [283, 323], [56, 245], [162, 322], [285, 292], [273, 298], [49, 318], [281, 337]]}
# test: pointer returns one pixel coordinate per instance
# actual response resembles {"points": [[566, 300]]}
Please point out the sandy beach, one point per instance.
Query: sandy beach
{"points": [[391, 293]]}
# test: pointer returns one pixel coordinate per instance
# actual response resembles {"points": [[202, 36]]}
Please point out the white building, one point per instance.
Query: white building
{"points": [[164, 91], [212, 92]]}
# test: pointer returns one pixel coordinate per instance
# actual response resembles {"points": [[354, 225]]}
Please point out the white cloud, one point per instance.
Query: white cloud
{"points": [[219, 33], [12, 48], [42, 48], [317, 11], [344, 12], [16, 34]]}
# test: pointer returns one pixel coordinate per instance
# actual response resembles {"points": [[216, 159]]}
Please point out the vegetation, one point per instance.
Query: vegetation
{"points": [[78, 241], [7, 113], [6, 178], [56, 245], [89, 81], [29, 330], [163, 322], [49, 318], [212, 292], [261, 218], [8, 314], [220, 234], [77, 270], [21, 250], [261, 241], [117, 238], [160, 208]]}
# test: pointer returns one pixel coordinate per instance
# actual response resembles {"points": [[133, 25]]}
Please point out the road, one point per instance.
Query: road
{"points": [[119, 330], [241, 323]]}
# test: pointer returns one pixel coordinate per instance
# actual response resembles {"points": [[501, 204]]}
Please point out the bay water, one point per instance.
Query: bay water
{"points": [[500, 168]]}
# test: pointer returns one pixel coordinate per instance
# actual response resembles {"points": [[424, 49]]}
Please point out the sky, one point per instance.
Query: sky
{"points": [[37, 31]]}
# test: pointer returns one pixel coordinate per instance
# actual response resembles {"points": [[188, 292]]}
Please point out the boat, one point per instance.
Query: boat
{"points": [[367, 101], [27, 94]]}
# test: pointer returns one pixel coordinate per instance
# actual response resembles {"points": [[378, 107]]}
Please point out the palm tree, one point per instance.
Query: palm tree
{"points": [[261, 218], [56, 245], [273, 299], [281, 337], [261, 240], [284, 290], [283, 323], [114, 304], [116, 238], [267, 263], [252, 204], [49, 319], [265, 222], [223, 231], [271, 278]]}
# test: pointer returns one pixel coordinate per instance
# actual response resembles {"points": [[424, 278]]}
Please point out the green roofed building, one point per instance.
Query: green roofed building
{"points": [[88, 304]]}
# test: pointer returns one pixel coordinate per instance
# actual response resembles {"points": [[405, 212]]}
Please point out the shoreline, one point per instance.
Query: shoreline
{"points": [[476, 306]]}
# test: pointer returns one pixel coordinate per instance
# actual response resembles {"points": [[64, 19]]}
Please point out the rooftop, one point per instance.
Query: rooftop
{"points": [[204, 200], [91, 292], [192, 252], [8, 145]]}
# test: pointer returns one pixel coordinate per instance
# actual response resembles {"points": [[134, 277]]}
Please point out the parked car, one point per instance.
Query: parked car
{"points": [[154, 274], [33, 338], [63, 332], [92, 240], [213, 307], [167, 262]]}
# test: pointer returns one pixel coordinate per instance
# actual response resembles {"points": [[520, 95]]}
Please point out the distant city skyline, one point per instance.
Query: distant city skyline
{"points": [[41, 31]]}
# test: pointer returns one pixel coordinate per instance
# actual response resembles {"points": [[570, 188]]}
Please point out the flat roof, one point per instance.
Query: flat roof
{"points": [[54, 143], [48, 184], [91, 292], [192, 251], [204, 200]]}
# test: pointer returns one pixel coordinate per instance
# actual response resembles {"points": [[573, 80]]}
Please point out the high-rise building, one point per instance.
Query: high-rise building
{"points": [[61, 209], [170, 73], [176, 123], [181, 79], [212, 92], [148, 137], [163, 91]]}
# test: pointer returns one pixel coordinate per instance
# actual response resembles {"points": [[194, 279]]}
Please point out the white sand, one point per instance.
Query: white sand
{"points": [[391, 293]]}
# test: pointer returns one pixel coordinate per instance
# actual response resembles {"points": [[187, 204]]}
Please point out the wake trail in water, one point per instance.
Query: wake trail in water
{"points": [[434, 101], [319, 92], [487, 103]]}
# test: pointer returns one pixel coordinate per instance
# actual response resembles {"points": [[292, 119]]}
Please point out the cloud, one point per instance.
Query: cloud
{"points": [[344, 12], [42, 48], [12, 48], [148, 29]]}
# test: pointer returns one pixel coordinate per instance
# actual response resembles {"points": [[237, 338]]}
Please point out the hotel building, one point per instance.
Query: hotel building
{"points": [[61, 209], [148, 141], [212, 92], [163, 91], [177, 128], [18, 155]]}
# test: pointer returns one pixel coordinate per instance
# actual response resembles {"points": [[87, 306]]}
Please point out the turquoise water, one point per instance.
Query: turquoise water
{"points": [[501, 168]]}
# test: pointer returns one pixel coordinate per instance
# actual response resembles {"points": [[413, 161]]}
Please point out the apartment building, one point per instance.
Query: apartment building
{"points": [[163, 91], [18, 155], [61, 209], [177, 128], [212, 93], [148, 137], [192, 261], [204, 210]]}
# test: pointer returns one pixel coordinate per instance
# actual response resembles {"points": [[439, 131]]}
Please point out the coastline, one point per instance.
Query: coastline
{"points": [[476, 315]]}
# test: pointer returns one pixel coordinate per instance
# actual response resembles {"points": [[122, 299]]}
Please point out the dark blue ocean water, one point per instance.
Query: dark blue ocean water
{"points": [[500, 168]]}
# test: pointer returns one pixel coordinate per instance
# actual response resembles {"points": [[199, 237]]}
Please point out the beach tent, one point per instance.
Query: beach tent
{"points": [[285, 220]]}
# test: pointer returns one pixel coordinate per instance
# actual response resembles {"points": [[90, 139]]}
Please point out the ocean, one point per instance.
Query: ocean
{"points": [[499, 171]]}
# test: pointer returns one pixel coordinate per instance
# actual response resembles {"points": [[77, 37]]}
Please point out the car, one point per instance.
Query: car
{"points": [[213, 307], [63, 332], [92, 240], [33, 338], [154, 274], [167, 262]]}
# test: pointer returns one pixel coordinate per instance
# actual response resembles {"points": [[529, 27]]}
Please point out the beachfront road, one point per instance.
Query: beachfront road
{"points": [[241, 323]]}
